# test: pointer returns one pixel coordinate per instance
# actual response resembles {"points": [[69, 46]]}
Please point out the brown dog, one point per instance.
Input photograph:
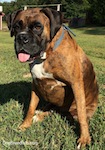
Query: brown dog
{"points": [[62, 73]]}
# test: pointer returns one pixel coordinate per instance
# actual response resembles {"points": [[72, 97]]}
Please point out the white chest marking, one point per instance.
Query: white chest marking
{"points": [[38, 71]]}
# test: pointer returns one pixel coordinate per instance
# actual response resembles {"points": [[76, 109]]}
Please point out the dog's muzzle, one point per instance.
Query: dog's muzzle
{"points": [[27, 46], [23, 38]]}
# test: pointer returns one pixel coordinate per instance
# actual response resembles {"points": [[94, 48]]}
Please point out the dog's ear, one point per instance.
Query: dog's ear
{"points": [[56, 19], [10, 19]]}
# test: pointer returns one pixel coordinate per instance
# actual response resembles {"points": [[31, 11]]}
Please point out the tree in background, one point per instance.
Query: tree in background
{"points": [[72, 8], [94, 10], [75, 8], [96, 13]]}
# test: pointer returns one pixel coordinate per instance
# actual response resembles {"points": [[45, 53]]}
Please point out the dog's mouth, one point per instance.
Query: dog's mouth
{"points": [[23, 57], [26, 57]]}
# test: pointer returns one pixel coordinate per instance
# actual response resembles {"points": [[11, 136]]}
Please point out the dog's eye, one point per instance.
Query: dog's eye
{"points": [[37, 28], [16, 26]]}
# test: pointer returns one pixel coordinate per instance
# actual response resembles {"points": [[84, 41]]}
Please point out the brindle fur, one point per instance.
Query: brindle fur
{"points": [[77, 90]]}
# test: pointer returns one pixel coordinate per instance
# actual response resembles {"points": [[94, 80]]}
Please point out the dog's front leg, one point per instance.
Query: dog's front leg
{"points": [[78, 89], [32, 106]]}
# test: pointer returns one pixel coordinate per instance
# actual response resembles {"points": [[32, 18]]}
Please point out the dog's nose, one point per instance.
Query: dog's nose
{"points": [[23, 38]]}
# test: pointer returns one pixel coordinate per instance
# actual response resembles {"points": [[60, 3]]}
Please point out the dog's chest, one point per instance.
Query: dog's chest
{"points": [[47, 80], [50, 88], [38, 71]]}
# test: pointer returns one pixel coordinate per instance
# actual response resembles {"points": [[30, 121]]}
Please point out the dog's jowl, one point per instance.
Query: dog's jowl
{"points": [[62, 74]]}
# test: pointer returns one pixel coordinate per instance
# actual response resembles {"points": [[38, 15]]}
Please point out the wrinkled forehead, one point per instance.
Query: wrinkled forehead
{"points": [[31, 15]]}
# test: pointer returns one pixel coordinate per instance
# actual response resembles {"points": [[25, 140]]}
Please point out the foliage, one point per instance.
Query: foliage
{"points": [[76, 8], [93, 10], [97, 11]]}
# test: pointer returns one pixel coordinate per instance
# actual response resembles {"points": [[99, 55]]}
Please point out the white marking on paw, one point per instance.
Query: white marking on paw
{"points": [[35, 119], [38, 112], [79, 146]]}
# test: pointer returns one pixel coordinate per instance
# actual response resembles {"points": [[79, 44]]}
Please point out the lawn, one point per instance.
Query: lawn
{"points": [[55, 132]]}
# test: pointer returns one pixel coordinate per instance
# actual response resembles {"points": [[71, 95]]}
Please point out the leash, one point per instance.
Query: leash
{"points": [[57, 43]]}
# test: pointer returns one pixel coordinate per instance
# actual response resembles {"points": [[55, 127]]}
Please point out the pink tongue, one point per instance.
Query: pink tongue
{"points": [[23, 57]]}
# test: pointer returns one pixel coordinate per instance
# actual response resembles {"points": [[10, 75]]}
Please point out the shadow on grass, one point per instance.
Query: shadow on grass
{"points": [[95, 30], [21, 91]]}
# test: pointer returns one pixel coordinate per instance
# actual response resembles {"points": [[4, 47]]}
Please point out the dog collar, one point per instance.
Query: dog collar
{"points": [[65, 28]]}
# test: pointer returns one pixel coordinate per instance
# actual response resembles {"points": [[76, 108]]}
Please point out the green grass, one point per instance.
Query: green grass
{"points": [[54, 133]]}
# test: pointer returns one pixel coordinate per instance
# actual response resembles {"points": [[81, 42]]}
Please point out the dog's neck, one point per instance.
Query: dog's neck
{"points": [[60, 35], [57, 39]]}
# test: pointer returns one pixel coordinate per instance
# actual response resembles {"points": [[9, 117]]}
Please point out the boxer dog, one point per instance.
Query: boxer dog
{"points": [[62, 73]]}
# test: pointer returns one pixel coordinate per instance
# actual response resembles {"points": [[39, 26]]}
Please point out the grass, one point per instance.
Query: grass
{"points": [[54, 132]]}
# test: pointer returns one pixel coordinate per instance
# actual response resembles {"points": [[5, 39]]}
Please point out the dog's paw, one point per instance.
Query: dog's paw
{"points": [[36, 118], [83, 141], [21, 128], [24, 126], [40, 115]]}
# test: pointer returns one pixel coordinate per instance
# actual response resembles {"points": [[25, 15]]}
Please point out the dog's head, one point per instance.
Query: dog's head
{"points": [[33, 30]]}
